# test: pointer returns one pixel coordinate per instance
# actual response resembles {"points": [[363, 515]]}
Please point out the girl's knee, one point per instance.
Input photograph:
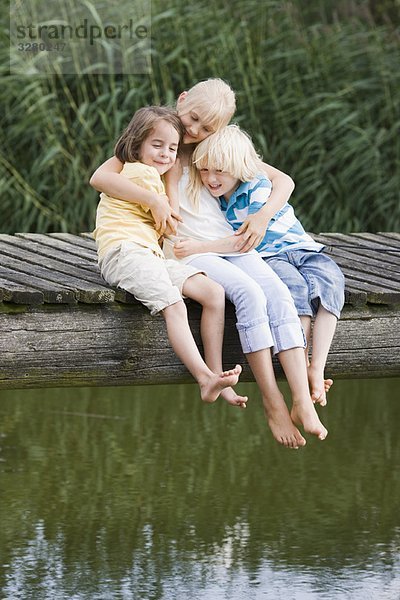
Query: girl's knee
{"points": [[215, 294], [210, 294], [177, 309]]}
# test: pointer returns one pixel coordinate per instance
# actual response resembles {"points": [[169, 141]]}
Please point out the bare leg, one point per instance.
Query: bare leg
{"points": [[211, 296], [314, 378], [306, 324], [323, 332], [276, 411], [303, 411], [181, 339]]}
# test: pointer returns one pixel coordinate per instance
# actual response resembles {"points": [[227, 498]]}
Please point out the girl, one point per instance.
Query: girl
{"points": [[204, 109], [130, 256], [229, 167]]}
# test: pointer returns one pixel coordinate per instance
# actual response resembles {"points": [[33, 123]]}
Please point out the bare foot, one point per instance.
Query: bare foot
{"points": [[318, 386], [233, 398], [283, 429], [304, 414], [212, 385]]}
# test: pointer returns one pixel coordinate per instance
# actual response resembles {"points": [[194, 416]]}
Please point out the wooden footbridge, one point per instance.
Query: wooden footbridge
{"points": [[61, 325]]}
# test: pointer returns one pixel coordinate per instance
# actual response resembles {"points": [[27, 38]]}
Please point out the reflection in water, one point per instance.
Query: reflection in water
{"points": [[146, 493]]}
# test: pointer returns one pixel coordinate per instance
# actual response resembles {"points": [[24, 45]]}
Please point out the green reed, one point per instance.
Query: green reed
{"points": [[318, 92]]}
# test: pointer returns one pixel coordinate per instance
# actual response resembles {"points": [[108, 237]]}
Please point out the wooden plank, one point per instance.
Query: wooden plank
{"points": [[123, 345], [19, 294], [84, 269], [368, 274], [376, 294], [354, 242], [49, 252], [393, 236], [85, 277], [361, 270], [341, 240], [354, 296], [52, 293], [75, 240], [52, 242], [84, 292], [61, 253], [363, 262], [369, 240], [376, 240], [372, 276]]}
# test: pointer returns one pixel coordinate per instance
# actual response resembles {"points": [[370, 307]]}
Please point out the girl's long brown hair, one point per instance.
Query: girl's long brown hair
{"points": [[127, 148]]}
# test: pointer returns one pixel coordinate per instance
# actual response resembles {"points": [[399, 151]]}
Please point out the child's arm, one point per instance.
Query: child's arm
{"points": [[188, 246], [171, 180], [108, 179], [254, 226]]}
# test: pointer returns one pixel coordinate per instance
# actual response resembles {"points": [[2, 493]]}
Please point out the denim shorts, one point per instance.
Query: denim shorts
{"points": [[313, 279]]}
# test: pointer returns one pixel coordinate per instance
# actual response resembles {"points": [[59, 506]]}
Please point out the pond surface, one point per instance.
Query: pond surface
{"points": [[146, 493]]}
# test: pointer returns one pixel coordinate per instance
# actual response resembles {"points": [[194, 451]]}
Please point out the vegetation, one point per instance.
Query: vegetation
{"points": [[318, 88]]}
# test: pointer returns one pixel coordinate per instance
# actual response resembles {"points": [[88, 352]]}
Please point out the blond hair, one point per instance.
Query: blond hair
{"points": [[231, 150], [214, 99]]}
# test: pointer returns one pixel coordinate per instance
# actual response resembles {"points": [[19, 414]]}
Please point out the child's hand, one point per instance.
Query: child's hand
{"points": [[238, 243], [172, 226], [163, 214], [253, 231], [187, 247], [232, 243]]}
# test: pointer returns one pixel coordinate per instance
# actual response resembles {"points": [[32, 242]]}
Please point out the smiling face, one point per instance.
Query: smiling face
{"points": [[219, 183], [196, 129], [160, 147], [193, 118]]}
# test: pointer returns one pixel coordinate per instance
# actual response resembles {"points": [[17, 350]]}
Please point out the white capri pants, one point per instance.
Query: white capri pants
{"points": [[266, 316]]}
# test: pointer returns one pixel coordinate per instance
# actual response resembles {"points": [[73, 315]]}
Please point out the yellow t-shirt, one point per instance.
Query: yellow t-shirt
{"points": [[119, 220]]}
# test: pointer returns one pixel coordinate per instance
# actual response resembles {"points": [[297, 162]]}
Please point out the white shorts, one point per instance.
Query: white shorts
{"points": [[156, 282]]}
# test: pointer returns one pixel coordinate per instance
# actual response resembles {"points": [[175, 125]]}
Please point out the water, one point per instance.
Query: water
{"points": [[145, 493]]}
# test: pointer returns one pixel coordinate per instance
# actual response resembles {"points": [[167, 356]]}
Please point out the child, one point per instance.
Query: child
{"points": [[229, 167], [130, 256], [203, 109]]}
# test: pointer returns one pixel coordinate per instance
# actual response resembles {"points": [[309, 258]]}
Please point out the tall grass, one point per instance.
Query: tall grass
{"points": [[318, 91]]}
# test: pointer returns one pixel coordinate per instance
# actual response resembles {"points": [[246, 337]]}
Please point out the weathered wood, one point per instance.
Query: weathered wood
{"points": [[361, 262], [87, 287], [52, 292], [18, 293], [60, 325], [375, 239], [359, 246], [370, 263], [392, 236], [35, 252], [47, 251], [115, 344], [76, 240], [53, 242]]}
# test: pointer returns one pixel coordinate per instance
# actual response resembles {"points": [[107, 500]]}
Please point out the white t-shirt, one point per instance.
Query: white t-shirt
{"points": [[203, 223]]}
